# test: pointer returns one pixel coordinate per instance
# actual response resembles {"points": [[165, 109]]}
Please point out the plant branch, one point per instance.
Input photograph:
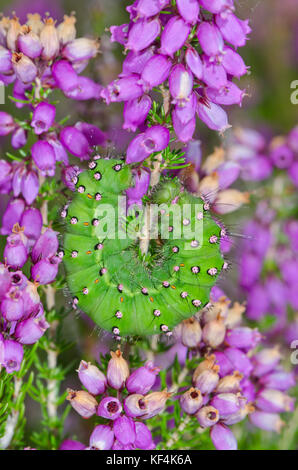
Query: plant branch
{"points": [[12, 419]]}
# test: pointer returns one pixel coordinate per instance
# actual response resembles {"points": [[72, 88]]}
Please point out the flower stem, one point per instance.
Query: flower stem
{"points": [[12, 419]]}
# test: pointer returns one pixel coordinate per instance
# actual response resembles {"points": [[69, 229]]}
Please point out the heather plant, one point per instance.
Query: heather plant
{"points": [[176, 364]]}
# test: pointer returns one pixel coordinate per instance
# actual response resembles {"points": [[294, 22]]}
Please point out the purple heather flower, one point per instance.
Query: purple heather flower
{"points": [[274, 401], [214, 332], [5, 171], [80, 49], [135, 112], [24, 68], [44, 157], [119, 33], [266, 421], [265, 361], [31, 221], [102, 437], [142, 379], [228, 95], [256, 169], [123, 89], [144, 439], [180, 84], [233, 63], [228, 173], [31, 299], [186, 112], [225, 365], [239, 361], [189, 10], [92, 133], [174, 36], [12, 306], [191, 333], [282, 156], [142, 34], [83, 402], [45, 270], [43, 117], [217, 6], [15, 252], [184, 131], [193, 153], [117, 371], [19, 138], [60, 152], [29, 331], [29, 43], [69, 175], [207, 380], [213, 116], [46, 246], [86, 89], [194, 63], [226, 404], [7, 124], [210, 39], [214, 75], [124, 430], [147, 8], [141, 185], [242, 337], [207, 416], [92, 378], [5, 60], [222, 437], [12, 215], [155, 71], [155, 403], [69, 444], [13, 356], [5, 281], [65, 76], [49, 40], [30, 186], [110, 408], [191, 401], [154, 139], [233, 29], [75, 142], [279, 380], [135, 62]]}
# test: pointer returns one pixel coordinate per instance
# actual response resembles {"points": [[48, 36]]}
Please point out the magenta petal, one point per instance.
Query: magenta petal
{"points": [[75, 142], [174, 36], [210, 39], [158, 138], [31, 220], [184, 131], [189, 10], [86, 89], [232, 29], [124, 429], [135, 112], [222, 437], [43, 117], [65, 76], [180, 83], [193, 60], [233, 63], [12, 215], [213, 116], [46, 246], [44, 157], [156, 71], [228, 95], [142, 34]]}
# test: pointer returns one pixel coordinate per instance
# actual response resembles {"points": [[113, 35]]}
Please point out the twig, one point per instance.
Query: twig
{"points": [[12, 419], [176, 435]]}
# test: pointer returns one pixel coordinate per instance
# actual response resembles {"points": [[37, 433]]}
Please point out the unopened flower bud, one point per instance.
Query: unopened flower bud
{"points": [[267, 421], [142, 379], [92, 378], [118, 370], [274, 401], [191, 333], [49, 40], [223, 438], [230, 383], [83, 402], [191, 401], [80, 49], [102, 438], [207, 380], [24, 68], [155, 403], [207, 416], [124, 430], [226, 403], [214, 332], [29, 43], [67, 30], [144, 439], [13, 356]]}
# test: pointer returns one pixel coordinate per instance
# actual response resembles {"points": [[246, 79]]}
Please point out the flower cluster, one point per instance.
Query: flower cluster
{"points": [[187, 48], [268, 262], [21, 313], [233, 380], [122, 415]]}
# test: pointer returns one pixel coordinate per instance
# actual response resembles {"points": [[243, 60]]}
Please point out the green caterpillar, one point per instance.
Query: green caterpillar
{"points": [[108, 277]]}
